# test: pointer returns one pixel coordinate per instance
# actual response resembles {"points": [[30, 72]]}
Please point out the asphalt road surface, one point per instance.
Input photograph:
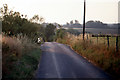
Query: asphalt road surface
{"points": [[60, 61]]}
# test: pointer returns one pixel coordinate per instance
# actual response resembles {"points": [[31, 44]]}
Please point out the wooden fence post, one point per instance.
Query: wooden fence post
{"points": [[116, 43], [104, 40], [87, 36], [90, 38], [97, 39], [108, 41]]}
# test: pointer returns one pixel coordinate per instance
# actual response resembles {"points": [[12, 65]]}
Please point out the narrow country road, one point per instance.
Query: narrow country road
{"points": [[59, 61]]}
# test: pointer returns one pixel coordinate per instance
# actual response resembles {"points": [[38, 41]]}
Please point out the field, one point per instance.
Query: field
{"points": [[99, 30]]}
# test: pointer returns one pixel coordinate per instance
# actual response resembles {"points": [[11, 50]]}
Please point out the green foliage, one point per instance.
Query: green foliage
{"points": [[13, 23], [60, 33], [20, 57], [25, 66], [36, 18], [50, 32]]}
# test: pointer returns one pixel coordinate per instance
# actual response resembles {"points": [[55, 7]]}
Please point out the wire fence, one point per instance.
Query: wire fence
{"points": [[108, 40]]}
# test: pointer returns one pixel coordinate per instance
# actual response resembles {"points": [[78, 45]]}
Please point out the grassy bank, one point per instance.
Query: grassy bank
{"points": [[97, 53], [20, 57], [26, 66]]}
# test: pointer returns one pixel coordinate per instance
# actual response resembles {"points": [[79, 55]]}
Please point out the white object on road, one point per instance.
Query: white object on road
{"points": [[39, 40]]}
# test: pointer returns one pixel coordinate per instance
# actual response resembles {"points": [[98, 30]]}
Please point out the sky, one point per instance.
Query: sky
{"points": [[62, 11]]}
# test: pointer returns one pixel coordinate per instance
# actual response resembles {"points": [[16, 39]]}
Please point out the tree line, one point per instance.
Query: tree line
{"points": [[14, 23], [91, 24]]}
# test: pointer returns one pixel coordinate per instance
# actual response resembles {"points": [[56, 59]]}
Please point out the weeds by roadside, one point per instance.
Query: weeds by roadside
{"points": [[26, 66], [97, 53], [20, 57]]}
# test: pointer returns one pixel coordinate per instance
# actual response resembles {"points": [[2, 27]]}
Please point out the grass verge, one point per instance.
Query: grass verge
{"points": [[26, 66], [20, 57], [97, 53]]}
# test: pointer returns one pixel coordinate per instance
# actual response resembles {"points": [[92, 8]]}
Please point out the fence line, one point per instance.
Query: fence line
{"points": [[108, 40]]}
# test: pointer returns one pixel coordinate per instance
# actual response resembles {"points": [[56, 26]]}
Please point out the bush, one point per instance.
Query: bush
{"points": [[11, 51], [12, 44], [26, 66], [15, 50]]}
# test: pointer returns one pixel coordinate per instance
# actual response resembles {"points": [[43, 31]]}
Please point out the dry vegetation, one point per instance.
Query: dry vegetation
{"points": [[15, 50], [96, 52], [16, 45]]}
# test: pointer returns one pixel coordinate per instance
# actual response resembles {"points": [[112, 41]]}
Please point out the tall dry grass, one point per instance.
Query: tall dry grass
{"points": [[12, 50], [11, 45], [26, 43], [97, 53]]}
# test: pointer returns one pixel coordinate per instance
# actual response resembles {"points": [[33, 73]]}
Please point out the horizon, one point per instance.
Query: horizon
{"points": [[57, 11]]}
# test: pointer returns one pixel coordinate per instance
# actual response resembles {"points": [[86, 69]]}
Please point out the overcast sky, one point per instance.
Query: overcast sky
{"points": [[62, 11]]}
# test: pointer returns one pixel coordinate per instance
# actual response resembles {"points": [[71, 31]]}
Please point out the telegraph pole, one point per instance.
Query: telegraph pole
{"points": [[84, 19]]}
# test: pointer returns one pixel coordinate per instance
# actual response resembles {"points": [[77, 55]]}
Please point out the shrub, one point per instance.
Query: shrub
{"points": [[11, 51], [14, 50]]}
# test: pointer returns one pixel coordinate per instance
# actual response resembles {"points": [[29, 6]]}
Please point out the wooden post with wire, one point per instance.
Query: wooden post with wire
{"points": [[116, 43], [108, 41]]}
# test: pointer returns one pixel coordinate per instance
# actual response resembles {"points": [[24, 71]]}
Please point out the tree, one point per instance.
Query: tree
{"points": [[60, 33], [67, 23], [71, 22], [41, 19], [95, 24], [5, 12], [50, 32], [13, 23], [60, 26], [76, 22], [37, 19]]}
